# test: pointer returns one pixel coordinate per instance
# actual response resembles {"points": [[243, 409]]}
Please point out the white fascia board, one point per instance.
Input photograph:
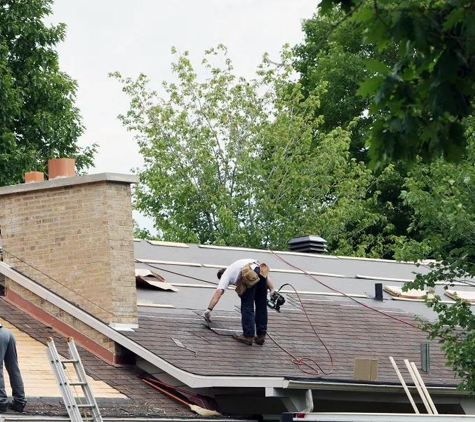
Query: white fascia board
{"points": [[187, 378]]}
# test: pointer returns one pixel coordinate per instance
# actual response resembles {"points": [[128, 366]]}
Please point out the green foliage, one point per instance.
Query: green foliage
{"points": [[420, 104], [455, 327], [420, 108], [333, 59], [38, 119], [441, 195], [232, 161]]}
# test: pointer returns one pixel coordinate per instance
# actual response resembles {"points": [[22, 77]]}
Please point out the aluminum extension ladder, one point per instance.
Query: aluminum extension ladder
{"points": [[73, 403]]}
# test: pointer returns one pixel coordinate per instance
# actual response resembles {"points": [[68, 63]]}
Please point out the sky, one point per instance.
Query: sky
{"points": [[136, 36]]}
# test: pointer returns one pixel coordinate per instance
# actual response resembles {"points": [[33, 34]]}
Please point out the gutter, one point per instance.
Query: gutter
{"points": [[187, 378], [366, 388]]}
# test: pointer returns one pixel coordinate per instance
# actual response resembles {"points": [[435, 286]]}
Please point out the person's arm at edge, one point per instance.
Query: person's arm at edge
{"points": [[215, 299]]}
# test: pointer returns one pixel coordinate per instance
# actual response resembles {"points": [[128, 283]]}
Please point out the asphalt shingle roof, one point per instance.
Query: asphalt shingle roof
{"points": [[349, 331]]}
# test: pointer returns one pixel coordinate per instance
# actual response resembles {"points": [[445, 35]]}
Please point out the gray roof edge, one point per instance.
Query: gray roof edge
{"points": [[188, 378], [69, 181]]}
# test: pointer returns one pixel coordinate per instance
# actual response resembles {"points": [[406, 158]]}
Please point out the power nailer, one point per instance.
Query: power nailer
{"points": [[276, 301]]}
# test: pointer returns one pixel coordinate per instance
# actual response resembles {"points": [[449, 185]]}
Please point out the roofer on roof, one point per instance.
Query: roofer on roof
{"points": [[252, 281], [8, 355]]}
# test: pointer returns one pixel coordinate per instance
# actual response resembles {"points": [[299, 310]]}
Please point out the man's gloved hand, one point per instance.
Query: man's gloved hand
{"points": [[273, 295], [207, 315]]}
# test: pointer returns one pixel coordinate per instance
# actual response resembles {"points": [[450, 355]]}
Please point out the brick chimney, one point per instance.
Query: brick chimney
{"points": [[74, 236]]}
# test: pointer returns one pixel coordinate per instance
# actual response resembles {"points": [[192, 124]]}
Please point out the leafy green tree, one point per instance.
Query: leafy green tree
{"points": [[441, 195], [38, 118], [421, 107], [419, 104], [333, 60], [231, 161]]}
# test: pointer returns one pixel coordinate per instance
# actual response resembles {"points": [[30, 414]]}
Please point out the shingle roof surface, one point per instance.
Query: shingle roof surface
{"points": [[348, 331]]}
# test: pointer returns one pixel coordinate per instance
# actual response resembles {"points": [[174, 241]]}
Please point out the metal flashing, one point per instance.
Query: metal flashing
{"points": [[157, 261], [123, 327], [233, 248], [154, 305], [391, 261], [370, 277], [165, 243]]}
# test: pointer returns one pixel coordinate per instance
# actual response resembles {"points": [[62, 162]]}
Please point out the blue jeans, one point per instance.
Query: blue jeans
{"points": [[8, 355], [254, 320]]}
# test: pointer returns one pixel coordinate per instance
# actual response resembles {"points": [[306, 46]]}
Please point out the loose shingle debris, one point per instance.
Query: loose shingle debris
{"points": [[148, 278]]}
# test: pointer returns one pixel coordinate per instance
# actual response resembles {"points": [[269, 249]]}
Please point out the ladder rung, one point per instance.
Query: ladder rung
{"points": [[78, 383], [85, 406], [70, 361]]}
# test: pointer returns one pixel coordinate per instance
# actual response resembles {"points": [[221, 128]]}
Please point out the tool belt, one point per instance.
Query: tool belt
{"points": [[250, 278]]}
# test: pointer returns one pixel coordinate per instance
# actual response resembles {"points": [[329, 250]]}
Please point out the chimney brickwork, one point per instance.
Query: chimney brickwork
{"points": [[75, 237]]}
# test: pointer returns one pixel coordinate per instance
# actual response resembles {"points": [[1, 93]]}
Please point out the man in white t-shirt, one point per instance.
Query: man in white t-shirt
{"points": [[252, 282]]}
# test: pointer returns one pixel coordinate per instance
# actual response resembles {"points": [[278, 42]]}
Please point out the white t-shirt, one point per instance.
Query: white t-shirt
{"points": [[233, 272]]}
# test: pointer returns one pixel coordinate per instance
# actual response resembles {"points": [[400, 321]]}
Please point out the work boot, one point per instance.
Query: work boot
{"points": [[242, 339], [16, 406], [260, 339]]}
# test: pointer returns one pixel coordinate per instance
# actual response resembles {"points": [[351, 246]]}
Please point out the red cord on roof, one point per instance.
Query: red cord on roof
{"points": [[344, 294], [301, 362]]}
